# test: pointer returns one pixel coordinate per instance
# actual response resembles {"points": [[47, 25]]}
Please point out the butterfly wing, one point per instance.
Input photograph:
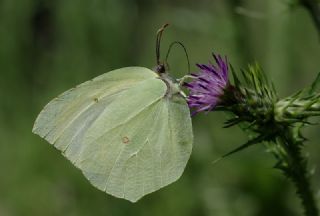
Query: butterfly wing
{"points": [[71, 113], [143, 155], [121, 130]]}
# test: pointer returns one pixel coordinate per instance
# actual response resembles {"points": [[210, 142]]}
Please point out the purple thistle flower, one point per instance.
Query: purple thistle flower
{"points": [[208, 85]]}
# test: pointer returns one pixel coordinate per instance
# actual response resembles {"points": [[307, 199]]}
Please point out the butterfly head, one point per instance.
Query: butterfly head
{"points": [[160, 69]]}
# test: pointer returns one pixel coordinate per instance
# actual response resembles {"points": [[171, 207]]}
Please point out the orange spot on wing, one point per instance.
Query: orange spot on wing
{"points": [[125, 140]]}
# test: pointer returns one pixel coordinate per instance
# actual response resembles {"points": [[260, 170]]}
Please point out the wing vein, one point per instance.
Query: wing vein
{"points": [[161, 172], [127, 120], [79, 114], [123, 147], [174, 155], [115, 162]]}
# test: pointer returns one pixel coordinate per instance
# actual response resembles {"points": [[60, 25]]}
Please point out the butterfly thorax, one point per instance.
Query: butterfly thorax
{"points": [[173, 87]]}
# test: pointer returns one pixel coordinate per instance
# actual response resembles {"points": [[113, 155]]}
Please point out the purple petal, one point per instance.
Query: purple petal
{"points": [[208, 86]]}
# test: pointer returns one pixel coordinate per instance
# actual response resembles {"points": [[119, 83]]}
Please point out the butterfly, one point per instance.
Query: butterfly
{"points": [[129, 130]]}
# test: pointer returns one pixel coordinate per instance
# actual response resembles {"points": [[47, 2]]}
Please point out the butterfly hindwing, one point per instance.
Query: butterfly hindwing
{"points": [[149, 152]]}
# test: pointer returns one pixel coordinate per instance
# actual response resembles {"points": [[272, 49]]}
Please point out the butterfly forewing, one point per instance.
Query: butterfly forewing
{"points": [[57, 116]]}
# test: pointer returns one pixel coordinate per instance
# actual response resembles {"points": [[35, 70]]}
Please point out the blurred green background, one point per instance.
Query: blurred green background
{"points": [[47, 47]]}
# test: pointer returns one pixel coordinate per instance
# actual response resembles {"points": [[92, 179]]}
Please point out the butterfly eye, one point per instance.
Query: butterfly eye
{"points": [[160, 69]]}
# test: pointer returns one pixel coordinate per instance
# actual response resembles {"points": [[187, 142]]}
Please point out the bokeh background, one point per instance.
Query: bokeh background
{"points": [[47, 47]]}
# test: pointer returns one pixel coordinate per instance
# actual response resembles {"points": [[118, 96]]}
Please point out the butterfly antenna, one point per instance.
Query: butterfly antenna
{"points": [[158, 41], [185, 51]]}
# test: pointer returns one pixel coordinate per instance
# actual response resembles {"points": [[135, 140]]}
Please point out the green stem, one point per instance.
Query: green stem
{"points": [[295, 167]]}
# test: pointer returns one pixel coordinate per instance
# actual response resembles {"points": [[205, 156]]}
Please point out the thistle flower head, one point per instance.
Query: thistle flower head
{"points": [[208, 85]]}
